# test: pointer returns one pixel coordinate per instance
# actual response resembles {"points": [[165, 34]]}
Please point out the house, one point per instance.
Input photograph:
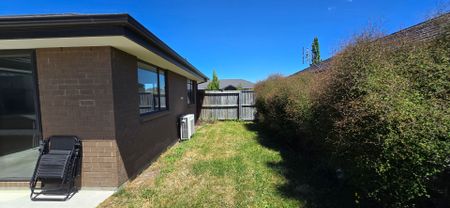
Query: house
{"points": [[104, 78], [230, 84], [424, 31]]}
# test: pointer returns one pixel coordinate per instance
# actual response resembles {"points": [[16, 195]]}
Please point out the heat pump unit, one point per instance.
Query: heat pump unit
{"points": [[187, 126]]}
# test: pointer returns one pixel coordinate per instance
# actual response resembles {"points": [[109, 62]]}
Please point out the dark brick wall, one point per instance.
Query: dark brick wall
{"points": [[75, 92], [140, 140], [92, 92], [76, 98]]}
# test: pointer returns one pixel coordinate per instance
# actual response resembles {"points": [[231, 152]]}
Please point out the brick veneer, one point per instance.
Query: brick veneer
{"points": [[14, 184], [141, 139], [99, 167], [75, 92], [91, 92], [76, 98]]}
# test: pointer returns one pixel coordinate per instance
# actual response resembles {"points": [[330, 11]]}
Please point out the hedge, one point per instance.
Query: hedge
{"points": [[381, 109]]}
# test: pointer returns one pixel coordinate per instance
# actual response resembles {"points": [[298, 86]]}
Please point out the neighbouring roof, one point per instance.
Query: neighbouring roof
{"points": [[224, 83], [423, 31], [323, 65], [75, 30]]}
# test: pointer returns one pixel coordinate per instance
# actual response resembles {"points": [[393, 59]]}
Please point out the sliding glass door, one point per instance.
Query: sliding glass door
{"points": [[19, 118]]}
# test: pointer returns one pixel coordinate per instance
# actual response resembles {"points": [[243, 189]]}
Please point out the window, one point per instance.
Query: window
{"points": [[152, 89], [19, 115], [190, 92]]}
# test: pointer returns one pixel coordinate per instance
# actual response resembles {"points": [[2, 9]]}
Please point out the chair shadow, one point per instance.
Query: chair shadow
{"points": [[307, 181], [62, 192]]}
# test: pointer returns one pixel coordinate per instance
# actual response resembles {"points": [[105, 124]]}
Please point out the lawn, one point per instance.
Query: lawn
{"points": [[223, 165]]}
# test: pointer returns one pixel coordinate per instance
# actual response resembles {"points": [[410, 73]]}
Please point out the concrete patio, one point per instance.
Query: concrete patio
{"points": [[83, 198]]}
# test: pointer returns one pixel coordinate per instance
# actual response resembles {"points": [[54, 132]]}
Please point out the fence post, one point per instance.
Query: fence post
{"points": [[239, 104]]}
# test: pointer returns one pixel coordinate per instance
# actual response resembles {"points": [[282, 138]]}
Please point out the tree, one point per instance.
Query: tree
{"points": [[315, 50], [240, 87], [214, 84]]}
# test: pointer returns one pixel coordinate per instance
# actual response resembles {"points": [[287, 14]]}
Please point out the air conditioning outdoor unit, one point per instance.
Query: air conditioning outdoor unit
{"points": [[187, 126]]}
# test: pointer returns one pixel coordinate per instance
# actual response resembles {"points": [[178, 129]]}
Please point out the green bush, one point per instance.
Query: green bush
{"points": [[382, 110], [390, 117], [283, 105]]}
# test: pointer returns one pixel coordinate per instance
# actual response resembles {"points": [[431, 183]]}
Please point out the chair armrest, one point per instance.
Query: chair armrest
{"points": [[43, 146]]}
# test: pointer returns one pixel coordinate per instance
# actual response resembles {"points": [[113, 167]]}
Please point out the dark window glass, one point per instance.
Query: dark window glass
{"points": [[190, 92], [16, 93], [152, 89]]}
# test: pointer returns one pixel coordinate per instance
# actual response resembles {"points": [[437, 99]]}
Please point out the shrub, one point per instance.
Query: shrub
{"points": [[390, 117], [382, 111], [283, 105]]}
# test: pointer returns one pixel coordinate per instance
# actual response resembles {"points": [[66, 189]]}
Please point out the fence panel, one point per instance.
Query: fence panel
{"points": [[247, 105], [227, 105]]}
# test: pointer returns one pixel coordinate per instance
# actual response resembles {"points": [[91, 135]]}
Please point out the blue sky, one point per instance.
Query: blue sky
{"points": [[248, 39]]}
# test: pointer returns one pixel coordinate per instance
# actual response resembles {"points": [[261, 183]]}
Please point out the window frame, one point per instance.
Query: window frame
{"points": [[191, 83], [152, 68], [166, 90]]}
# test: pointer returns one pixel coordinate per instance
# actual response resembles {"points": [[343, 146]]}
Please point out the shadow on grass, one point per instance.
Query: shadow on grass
{"points": [[307, 181]]}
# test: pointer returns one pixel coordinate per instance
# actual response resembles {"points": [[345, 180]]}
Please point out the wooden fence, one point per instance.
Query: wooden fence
{"points": [[148, 102], [227, 105]]}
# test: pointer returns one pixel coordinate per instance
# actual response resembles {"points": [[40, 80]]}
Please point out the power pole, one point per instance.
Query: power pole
{"points": [[303, 55]]}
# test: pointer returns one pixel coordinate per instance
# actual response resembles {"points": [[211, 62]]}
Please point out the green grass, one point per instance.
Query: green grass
{"points": [[224, 165]]}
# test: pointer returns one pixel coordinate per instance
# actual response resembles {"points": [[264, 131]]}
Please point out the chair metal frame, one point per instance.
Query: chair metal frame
{"points": [[71, 170]]}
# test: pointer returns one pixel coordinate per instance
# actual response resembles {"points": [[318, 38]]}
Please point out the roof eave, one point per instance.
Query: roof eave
{"points": [[48, 26]]}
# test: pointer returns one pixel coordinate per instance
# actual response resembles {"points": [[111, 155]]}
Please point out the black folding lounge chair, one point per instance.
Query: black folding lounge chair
{"points": [[58, 165]]}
